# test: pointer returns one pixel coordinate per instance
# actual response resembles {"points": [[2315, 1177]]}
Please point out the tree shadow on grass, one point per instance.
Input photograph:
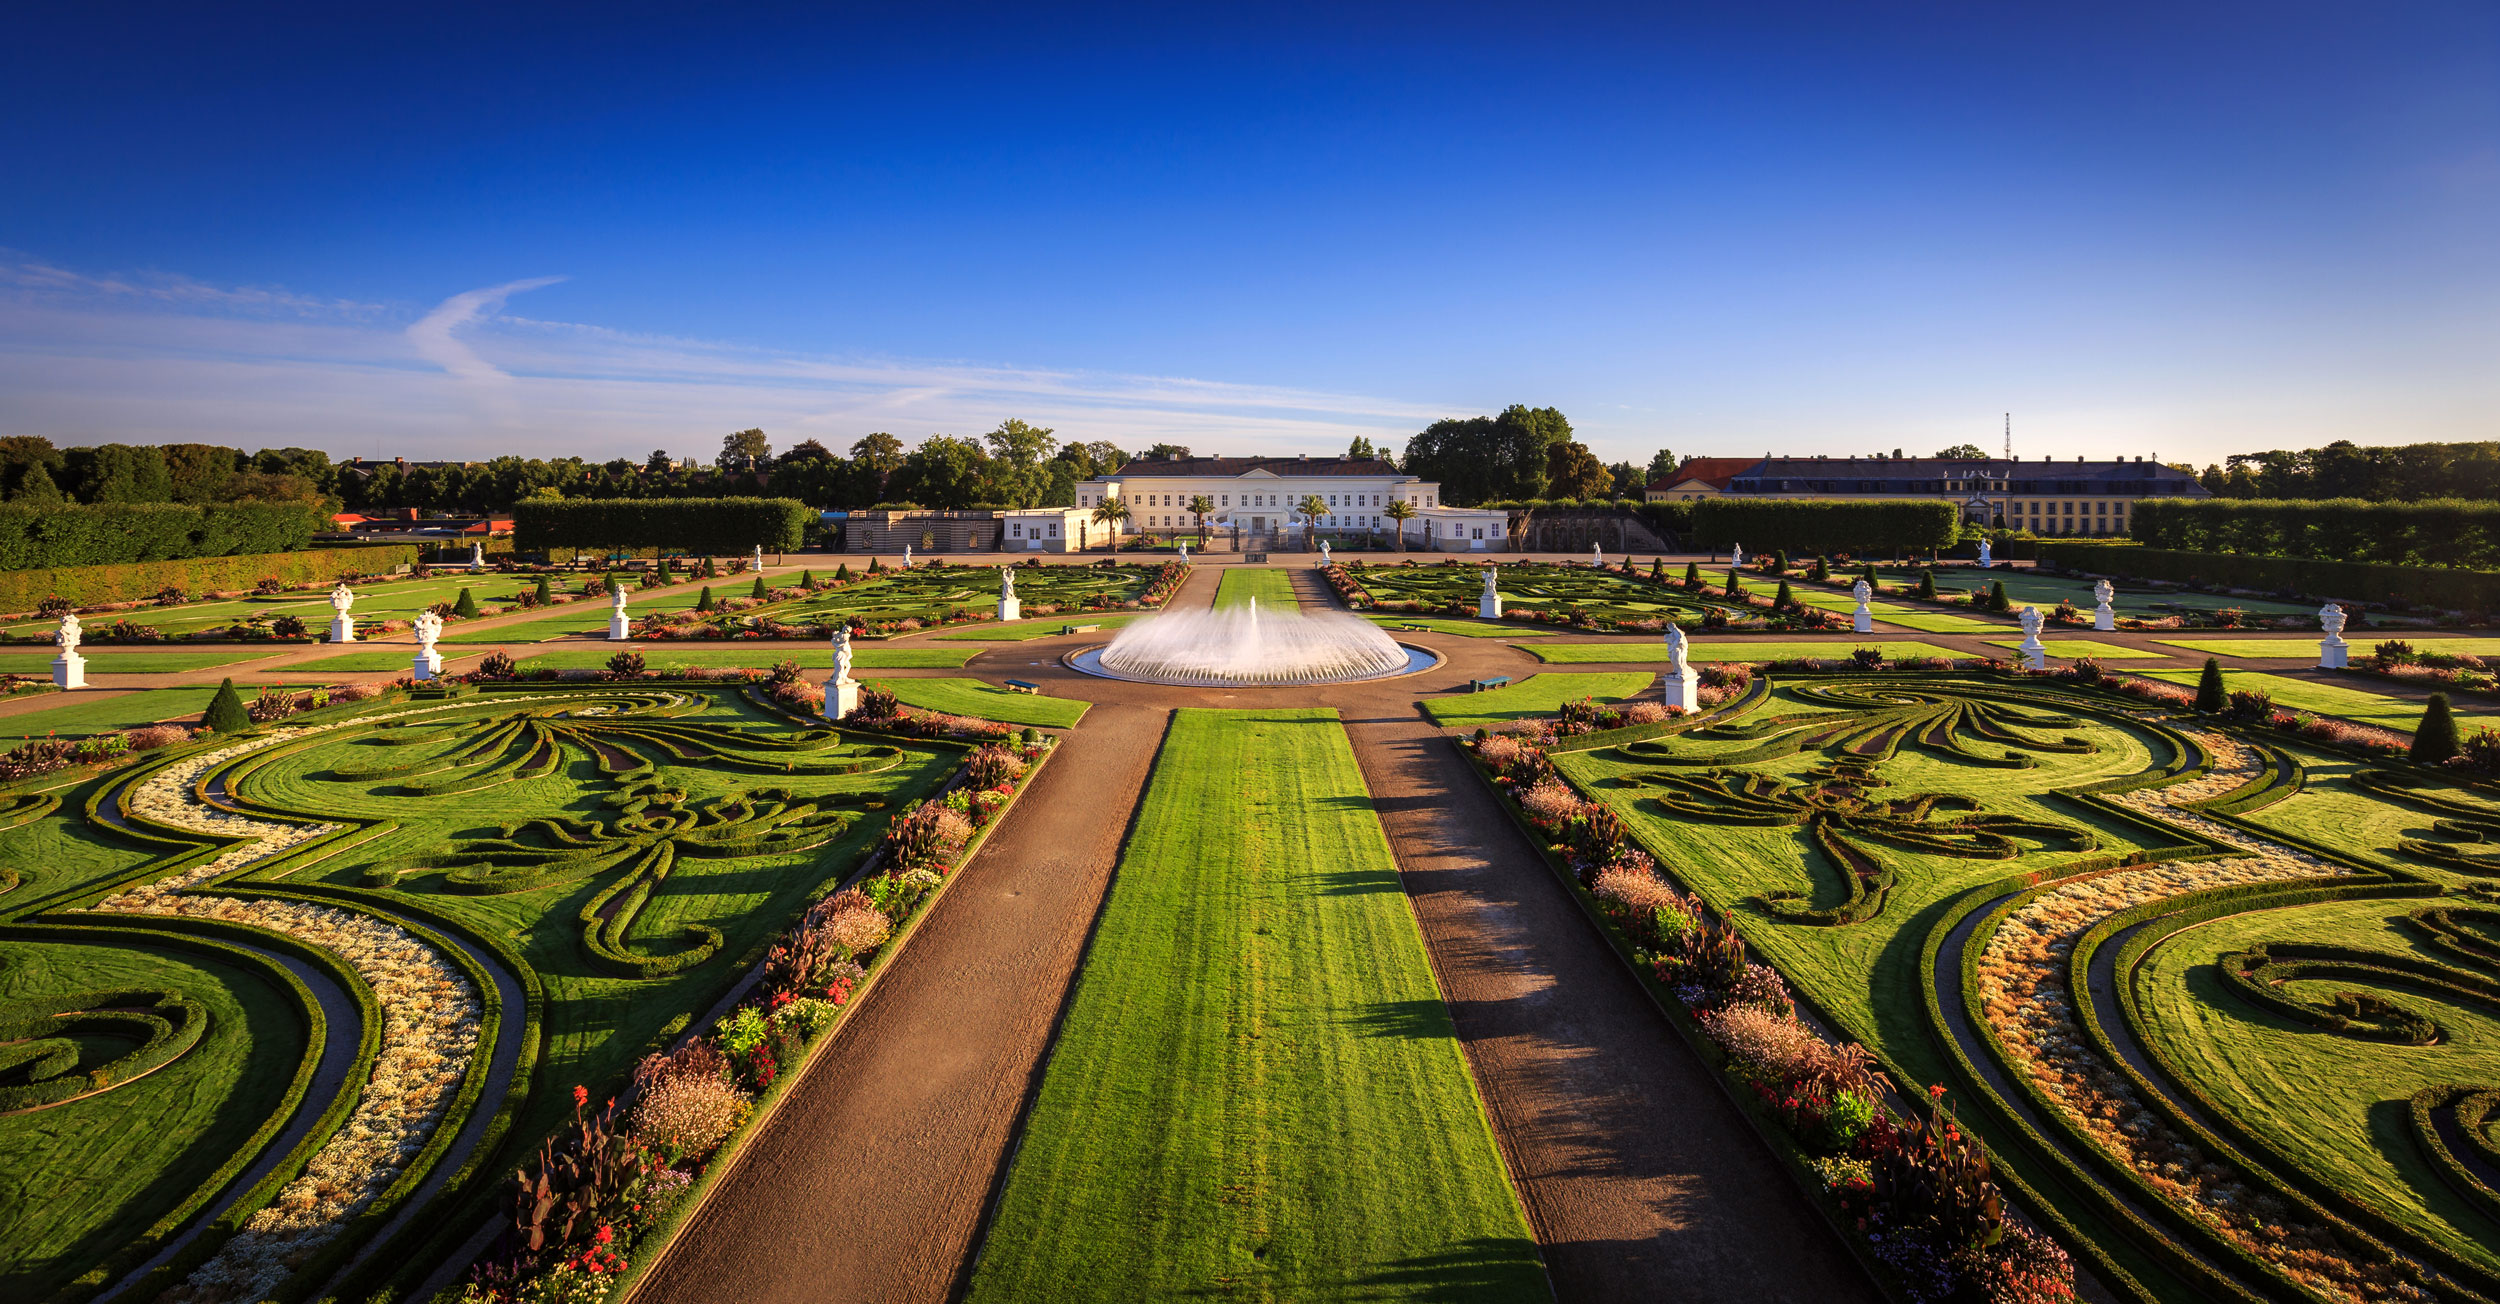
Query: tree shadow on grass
{"points": [[1354, 882], [1424, 1020], [1478, 1268]]}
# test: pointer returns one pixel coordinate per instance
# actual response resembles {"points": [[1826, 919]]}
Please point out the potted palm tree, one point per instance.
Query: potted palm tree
{"points": [[1310, 509], [1400, 511], [1112, 514], [1199, 506]]}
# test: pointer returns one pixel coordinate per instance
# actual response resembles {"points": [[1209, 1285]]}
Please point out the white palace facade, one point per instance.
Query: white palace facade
{"points": [[1260, 498]]}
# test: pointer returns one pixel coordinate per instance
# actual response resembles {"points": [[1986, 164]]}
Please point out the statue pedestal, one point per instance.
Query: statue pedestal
{"points": [[1010, 608], [1863, 621], [2333, 652], [841, 698], [1489, 606], [426, 665], [2104, 619], [69, 670], [619, 628], [342, 630], [2035, 657], [1681, 690]]}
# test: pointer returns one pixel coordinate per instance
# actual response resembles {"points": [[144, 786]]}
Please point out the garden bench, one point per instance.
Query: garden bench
{"points": [[1483, 685], [1079, 629], [1023, 686]]}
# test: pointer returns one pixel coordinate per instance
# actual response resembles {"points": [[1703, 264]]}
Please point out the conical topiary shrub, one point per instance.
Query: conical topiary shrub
{"points": [[1658, 569], [2209, 694], [759, 591], [666, 574], [466, 607], [704, 602], [1997, 601], [1779, 561], [1783, 600], [1692, 575], [1735, 586], [1867, 573], [1927, 584], [2435, 739], [807, 579], [226, 714], [873, 567], [710, 571], [1822, 572], [546, 592]]}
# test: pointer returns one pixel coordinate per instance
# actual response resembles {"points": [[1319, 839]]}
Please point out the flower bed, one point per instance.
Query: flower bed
{"points": [[607, 1195]]}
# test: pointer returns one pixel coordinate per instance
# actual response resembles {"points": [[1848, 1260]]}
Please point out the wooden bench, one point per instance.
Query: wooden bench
{"points": [[1486, 685], [1023, 686], [1080, 629]]}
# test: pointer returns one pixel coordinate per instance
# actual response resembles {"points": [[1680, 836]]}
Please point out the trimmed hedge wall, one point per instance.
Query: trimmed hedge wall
{"points": [[1894, 527], [709, 526], [107, 534], [2455, 590], [139, 581], [2438, 532]]}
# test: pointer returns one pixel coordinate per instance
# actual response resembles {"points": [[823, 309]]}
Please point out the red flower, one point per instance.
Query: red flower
{"points": [[581, 1096], [606, 1234]]}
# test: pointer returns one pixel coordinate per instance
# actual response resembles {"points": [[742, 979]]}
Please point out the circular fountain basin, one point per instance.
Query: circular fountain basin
{"points": [[1242, 647], [1089, 661]]}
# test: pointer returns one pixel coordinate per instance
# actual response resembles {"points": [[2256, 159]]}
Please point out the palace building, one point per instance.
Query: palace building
{"points": [[2042, 496], [1260, 498]]}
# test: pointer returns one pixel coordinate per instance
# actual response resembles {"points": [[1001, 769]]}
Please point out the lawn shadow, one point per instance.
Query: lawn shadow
{"points": [[1424, 1020], [1355, 882]]}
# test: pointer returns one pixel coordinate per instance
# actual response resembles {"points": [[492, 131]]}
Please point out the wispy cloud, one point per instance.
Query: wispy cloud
{"points": [[85, 357]]}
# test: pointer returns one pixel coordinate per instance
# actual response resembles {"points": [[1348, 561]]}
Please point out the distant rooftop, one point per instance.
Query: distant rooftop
{"points": [[1236, 466]]}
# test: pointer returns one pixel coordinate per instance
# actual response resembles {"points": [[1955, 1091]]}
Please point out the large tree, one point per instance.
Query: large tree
{"points": [[1962, 451], [1572, 471], [944, 472], [1662, 464], [745, 450], [1485, 459], [198, 471]]}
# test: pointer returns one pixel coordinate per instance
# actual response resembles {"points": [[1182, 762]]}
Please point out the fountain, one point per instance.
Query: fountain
{"points": [[1244, 647]]}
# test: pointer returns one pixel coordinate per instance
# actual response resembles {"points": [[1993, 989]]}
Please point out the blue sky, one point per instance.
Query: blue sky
{"points": [[603, 229]]}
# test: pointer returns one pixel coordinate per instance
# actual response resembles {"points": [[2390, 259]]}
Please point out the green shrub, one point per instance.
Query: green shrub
{"points": [[2403, 585], [107, 534], [759, 591], [466, 607], [546, 592], [2210, 698], [707, 525], [2435, 739], [1927, 583], [23, 590], [705, 602], [1880, 528], [226, 712]]}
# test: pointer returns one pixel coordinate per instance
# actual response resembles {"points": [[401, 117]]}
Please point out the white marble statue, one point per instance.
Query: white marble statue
{"points": [[620, 627], [1680, 685], [2035, 655], [1009, 608], [1323, 554], [841, 691], [69, 669], [1863, 621], [759, 559], [1184, 552], [1597, 555], [2333, 652], [907, 556], [1489, 606], [342, 628], [1736, 556], [477, 554], [1984, 555], [429, 663], [2102, 617]]}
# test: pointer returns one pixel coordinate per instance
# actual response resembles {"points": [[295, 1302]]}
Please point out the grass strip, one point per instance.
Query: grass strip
{"points": [[131, 663], [2307, 648], [982, 702], [1463, 628], [1704, 649], [761, 656], [1257, 1090], [1270, 585], [2324, 699], [84, 714], [1017, 631], [1535, 695], [2083, 647]]}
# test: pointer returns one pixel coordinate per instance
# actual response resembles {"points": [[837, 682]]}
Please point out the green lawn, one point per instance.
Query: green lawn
{"points": [[2082, 647], [932, 591], [395, 659], [1463, 628], [1257, 1090], [1927, 621], [973, 698], [1607, 595], [2026, 587], [93, 1174], [91, 713], [1535, 695], [2334, 1105], [1706, 649], [2307, 648], [1017, 631], [759, 655], [2324, 699], [1271, 585], [133, 663]]}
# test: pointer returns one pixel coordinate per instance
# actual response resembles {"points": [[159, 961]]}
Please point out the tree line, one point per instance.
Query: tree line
{"points": [[2344, 469]]}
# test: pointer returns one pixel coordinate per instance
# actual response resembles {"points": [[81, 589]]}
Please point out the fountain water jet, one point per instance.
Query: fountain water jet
{"points": [[1245, 647]]}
